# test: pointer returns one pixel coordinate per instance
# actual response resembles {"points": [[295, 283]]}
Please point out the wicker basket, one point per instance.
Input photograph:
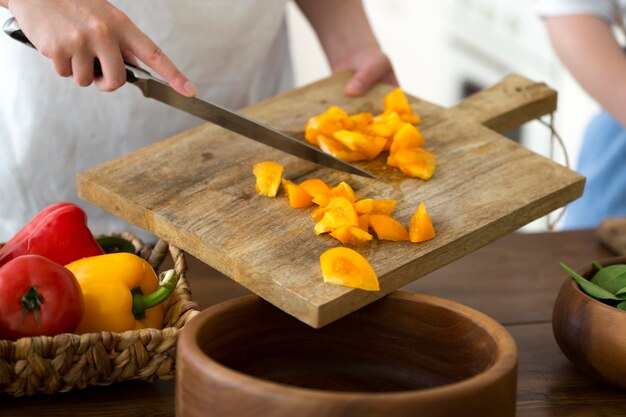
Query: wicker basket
{"points": [[60, 363]]}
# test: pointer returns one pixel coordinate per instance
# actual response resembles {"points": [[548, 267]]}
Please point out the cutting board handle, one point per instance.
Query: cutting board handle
{"points": [[509, 104]]}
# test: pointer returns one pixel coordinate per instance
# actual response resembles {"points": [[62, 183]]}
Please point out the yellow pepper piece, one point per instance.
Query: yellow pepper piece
{"points": [[298, 197], [342, 189], [352, 235], [338, 213], [364, 206], [311, 130], [388, 228], [421, 226], [416, 162], [406, 138], [336, 113], [370, 206], [361, 120], [391, 161], [314, 186], [335, 148], [121, 292], [385, 125], [384, 207], [268, 177], [345, 266], [364, 222], [318, 213], [369, 146], [326, 124], [354, 141], [397, 102]]}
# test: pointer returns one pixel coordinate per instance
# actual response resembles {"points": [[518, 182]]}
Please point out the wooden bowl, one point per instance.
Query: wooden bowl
{"points": [[404, 355], [590, 333]]}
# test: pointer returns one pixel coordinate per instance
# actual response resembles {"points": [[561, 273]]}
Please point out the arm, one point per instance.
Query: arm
{"points": [[587, 47], [348, 41], [73, 33]]}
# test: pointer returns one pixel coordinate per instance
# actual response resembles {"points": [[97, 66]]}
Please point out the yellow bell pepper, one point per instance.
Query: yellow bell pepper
{"points": [[345, 266], [268, 177], [121, 292]]}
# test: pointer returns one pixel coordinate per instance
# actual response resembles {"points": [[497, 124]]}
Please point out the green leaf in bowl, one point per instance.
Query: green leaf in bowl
{"points": [[612, 278], [622, 305], [589, 287], [621, 293]]}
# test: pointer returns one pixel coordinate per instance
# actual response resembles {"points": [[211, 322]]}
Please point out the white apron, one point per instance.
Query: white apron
{"points": [[235, 52]]}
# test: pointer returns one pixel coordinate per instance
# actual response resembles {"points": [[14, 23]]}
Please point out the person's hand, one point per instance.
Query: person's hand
{"points": [[349, 42], [73, 33], [370, 66]]}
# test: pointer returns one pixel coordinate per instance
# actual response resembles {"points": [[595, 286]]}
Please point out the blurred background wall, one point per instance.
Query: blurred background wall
{"points": [[445, 50]]}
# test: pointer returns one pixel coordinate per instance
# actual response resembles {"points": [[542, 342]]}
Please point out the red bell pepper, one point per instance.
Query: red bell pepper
{"points": [[59, 232], [38, 297]]}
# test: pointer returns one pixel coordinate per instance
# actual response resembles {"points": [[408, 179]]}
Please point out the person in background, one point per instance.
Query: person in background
{"points": [[582, 33], [232, 53]]}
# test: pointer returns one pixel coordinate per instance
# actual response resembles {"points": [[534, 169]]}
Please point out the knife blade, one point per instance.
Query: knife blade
{"points": [[156, 89]]}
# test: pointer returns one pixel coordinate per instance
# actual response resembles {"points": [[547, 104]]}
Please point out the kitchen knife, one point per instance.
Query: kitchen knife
{"points": [[154, 88]]}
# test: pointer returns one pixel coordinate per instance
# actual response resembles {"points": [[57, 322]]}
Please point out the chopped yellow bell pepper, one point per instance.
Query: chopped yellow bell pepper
{"points": [[344, 266], [368, 145], [342, 189], [298, 197], [351, 235], [388, 228], [326, 124], [397, 102], [314, 186], [268, 177], [385, 125], [335, 148], [339, 212], [407, 137], [361, 120], [421, 226], [363, 136], [370, 206], [415, 162]]}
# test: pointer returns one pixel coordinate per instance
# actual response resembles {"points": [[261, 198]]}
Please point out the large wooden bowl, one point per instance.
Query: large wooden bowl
{"points": [[404, 355], [590, 333]]}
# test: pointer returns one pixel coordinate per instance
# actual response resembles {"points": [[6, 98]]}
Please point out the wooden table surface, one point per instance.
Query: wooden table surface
{"points": [[514, 280]]}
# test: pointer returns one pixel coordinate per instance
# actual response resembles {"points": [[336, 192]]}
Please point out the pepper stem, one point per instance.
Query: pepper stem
{"points": [[31, 302], [167, 281]]}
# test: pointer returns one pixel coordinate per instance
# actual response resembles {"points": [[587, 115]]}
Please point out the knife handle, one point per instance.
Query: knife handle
{"points": [[12, 29]]}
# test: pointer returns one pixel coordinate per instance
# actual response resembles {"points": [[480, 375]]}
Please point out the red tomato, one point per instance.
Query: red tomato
{"points": [[38, 297]]}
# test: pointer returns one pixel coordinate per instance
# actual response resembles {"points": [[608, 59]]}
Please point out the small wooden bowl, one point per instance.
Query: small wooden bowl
{"points": [[590, 333], [404, 355]]}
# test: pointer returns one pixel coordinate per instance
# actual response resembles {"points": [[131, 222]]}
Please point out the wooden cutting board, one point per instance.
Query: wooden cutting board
{"points": [[196, 191]]}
